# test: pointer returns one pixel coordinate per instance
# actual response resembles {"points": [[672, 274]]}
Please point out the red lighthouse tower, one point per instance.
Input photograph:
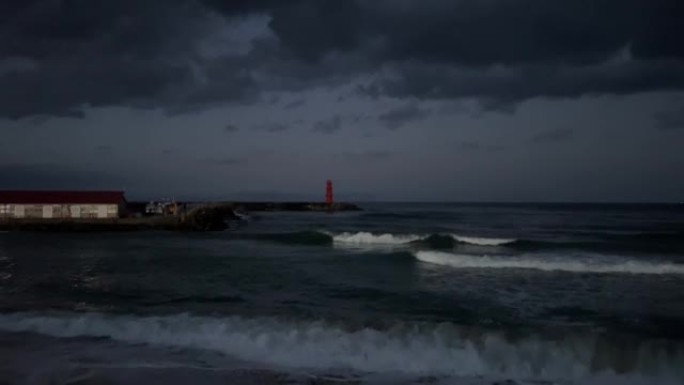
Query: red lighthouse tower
{"points": [[329, 193]]}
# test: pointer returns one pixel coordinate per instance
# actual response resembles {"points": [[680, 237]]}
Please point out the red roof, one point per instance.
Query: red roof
{"points": [[61, 197]]}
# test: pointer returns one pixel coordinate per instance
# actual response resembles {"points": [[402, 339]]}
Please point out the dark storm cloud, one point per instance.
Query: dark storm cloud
{"points": [[399, 116], [309, 28], [475, 32], [61, 56], [670, 120], [553, 136], [329, 126], [74, 54], [481, 33], [499, 88], [501, 51]]}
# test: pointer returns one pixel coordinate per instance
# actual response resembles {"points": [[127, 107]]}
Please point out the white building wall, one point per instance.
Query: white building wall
{"points": [[6, 210], [19, 211], [102, 211], [113, 211], [75, 211]]}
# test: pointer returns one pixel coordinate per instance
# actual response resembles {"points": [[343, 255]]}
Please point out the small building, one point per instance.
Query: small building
{"points": [[62, 204]]}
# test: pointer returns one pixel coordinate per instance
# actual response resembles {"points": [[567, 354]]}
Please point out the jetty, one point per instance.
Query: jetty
{"points": [[289, 206], [200, 217], [84, 211]]}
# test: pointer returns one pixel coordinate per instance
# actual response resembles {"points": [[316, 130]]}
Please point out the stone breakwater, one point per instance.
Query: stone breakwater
{"points": [[203, 217]]}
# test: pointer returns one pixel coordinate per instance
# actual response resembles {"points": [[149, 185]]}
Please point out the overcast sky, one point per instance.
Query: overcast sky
{"points": [[458, 100]]}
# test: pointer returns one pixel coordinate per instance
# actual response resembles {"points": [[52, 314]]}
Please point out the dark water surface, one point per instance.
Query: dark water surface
{"points": [[554, 293]]}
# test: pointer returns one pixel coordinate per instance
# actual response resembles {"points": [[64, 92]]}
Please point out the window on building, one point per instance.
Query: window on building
{"points": [[112, 211], [57, 211], [34, 211], [89, 211], [5, 210]]}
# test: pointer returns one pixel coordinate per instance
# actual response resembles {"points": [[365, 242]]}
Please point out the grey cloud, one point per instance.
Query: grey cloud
{"points": [[399, 116], [531, 31], [670, 120], [124, 53], [461, 32], [272, 127], [226, 161], [67, 86], [360, 118], [365, 156], [501, 88], [60, 57], [231, 128], [553, 136], [309, 28], [295, 104], [208, 84], [448, 49], [329, 126], [274, 99], [478, 146], [104, 148]]}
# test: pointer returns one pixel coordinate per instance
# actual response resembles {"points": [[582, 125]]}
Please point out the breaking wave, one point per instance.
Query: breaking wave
{"points": [[481, 241], [444, 241], [442, 349], [365, 238], [368, 238], [574, 266]]}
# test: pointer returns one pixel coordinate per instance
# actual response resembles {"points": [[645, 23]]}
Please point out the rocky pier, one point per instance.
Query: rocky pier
{"points": [[201, 217]]}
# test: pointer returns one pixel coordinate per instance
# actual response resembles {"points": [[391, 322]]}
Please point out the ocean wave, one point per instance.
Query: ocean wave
{"points": [[443, 349], [366, 238], [482, 241], [574, 266], [441, 241], [369, 238], [437, 240]]}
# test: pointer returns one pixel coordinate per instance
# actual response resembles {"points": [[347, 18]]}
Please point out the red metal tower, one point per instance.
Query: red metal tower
{"points": [[328, 192]]}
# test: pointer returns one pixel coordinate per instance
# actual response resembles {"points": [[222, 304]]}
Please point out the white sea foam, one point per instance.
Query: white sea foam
{"points": [[526, 262], [439, 349], [365, 238], [482, 241]]}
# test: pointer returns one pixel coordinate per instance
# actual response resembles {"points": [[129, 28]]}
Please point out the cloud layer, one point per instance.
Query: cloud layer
{"points": [[59, 57]]}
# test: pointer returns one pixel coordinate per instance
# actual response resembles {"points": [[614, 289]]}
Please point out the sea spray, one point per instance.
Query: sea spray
{"points": [[443, 349]]}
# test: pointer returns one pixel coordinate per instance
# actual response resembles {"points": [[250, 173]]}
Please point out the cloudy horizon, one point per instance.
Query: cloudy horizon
{"points": [[435, 100]]}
